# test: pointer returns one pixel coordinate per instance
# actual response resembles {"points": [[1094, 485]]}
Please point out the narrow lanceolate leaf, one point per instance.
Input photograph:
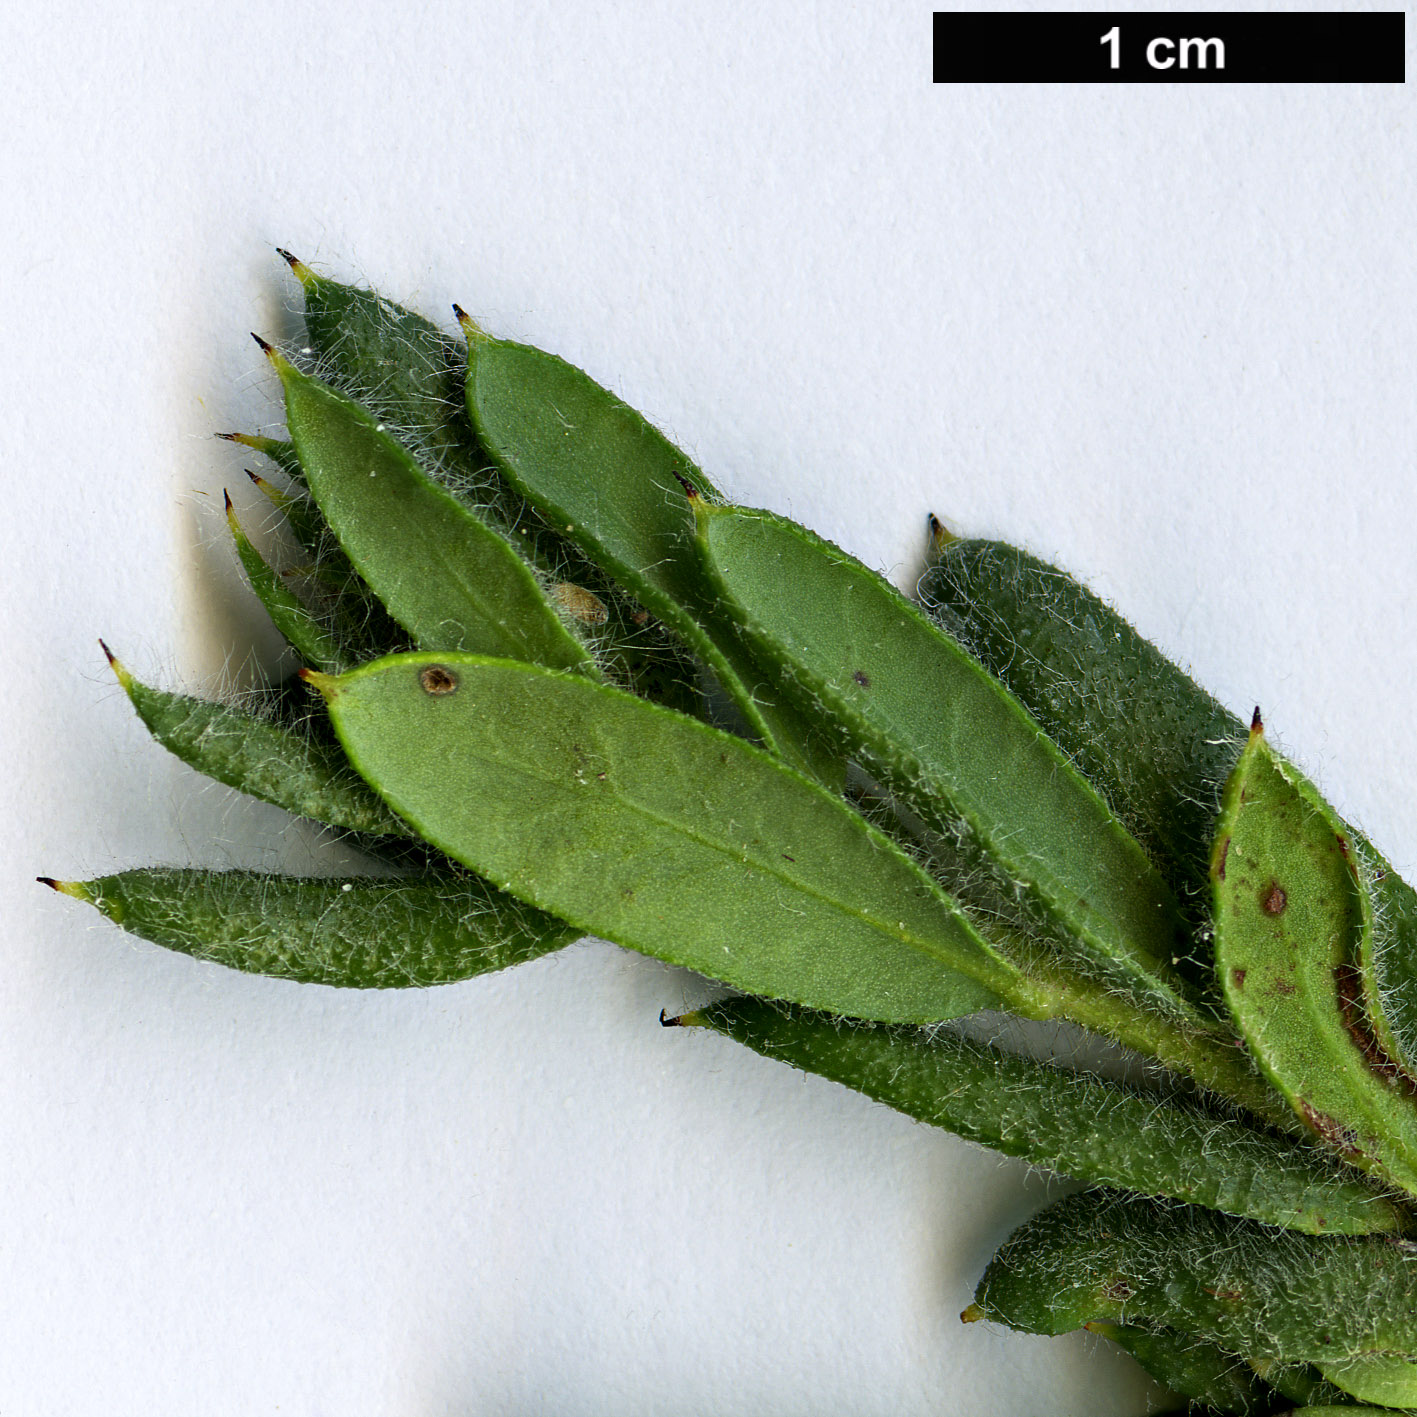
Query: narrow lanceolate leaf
{"points": [[362, 933], [1212, 1380], [450, 580], [1249, 1289], [261, 758], [1290, 914], [952, 742], [289, 614], [302, 517], [657, 832], [1155, 745], [1074, 1123], [615, 487]]}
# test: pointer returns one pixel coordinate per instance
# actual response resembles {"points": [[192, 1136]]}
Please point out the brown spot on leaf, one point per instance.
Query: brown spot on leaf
{"points": [[1283, 986], [1228, 1296], [1275, 899], [1237, 978], [861, 677], [437, 679], [1117, 1289], [1220, 860]]}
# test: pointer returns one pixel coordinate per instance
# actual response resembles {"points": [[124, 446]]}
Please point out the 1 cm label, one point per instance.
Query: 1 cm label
{"points": [[1163, 53]]}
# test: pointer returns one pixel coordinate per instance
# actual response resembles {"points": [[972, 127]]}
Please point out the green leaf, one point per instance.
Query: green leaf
{"points": [[448, 578], [1390, 1380], [1155, 745], [1290, 913], [950, 740], [260, 757], [660, 833], [289, 614], [1249, 1289], [1210, 1378], [360, 933], [1074, 1123], [616, 487]]}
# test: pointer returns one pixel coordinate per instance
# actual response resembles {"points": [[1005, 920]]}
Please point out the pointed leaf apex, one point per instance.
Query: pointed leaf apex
{"points": [[1256, 725], [237, 531], [470, 327], [704, 511], [325, 684], [971, 1315], [249, 440], [940, 535], [303, 273], [282, 365], [76, 889], [693, 1019], [120, 671]]}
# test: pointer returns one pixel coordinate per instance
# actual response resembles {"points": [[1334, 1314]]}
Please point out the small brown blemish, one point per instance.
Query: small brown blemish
{"points": [[1237, 978], [786, 857], [1228, 1296], [1220, 860], [437, 679], [861, 677], [1283, 986], [1341, 1138], [1117, 1289], [1275, 899]]}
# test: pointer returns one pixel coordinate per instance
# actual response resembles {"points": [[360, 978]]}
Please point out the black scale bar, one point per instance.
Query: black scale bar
{"points": [[1186, 47]]}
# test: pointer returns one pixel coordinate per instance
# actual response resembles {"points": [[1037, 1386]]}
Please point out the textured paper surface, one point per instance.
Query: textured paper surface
{"points": [[1164, 336]]}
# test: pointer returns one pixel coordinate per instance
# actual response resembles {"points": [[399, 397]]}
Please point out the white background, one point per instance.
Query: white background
{"points": [[1163, 335]]}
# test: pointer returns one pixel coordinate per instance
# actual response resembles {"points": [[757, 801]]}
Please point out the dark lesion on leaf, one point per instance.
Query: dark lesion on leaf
{"points": [[1275, 899], [861, 677], [1348, 985], [437, 679]]}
